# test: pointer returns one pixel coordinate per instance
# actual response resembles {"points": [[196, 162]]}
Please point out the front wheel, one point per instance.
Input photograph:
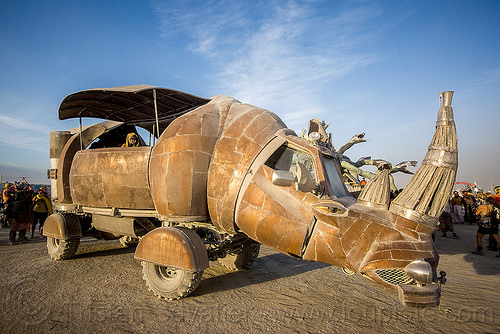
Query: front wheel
{"points": [[243, 258], [127, 241], [62, 249], [168, 282]]}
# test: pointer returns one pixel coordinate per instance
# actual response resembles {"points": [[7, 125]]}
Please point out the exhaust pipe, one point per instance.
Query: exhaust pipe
{"points": [[57, 141], [424, 198]]}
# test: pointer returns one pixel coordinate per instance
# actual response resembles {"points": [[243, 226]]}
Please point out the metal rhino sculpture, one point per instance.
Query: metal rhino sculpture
{"points": [[224, 177]]}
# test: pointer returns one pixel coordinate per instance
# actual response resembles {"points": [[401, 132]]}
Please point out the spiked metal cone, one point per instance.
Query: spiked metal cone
{"points": [[377, 191], [425, 197]]}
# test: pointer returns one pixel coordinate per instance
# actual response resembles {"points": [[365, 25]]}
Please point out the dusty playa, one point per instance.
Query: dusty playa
{"points": [[101, 290]]}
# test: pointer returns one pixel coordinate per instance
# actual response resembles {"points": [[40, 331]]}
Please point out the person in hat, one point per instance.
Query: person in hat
{"points": [[42, 208], [7, 197], [6, 192]]}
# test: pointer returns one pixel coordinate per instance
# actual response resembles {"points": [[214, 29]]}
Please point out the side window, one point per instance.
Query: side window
{"points": [[286, 158], [118, 137], [304, 159], [332, 167]]}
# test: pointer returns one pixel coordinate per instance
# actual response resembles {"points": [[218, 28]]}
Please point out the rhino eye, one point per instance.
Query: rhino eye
{"points": [[335, 210], [330, 209]]}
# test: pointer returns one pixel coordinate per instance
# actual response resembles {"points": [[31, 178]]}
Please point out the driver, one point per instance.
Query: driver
{"points": [[131, 141]]}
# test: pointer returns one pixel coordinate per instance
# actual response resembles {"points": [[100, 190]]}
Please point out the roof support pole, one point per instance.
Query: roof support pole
{"points": [[156, 115], [81, 137]]}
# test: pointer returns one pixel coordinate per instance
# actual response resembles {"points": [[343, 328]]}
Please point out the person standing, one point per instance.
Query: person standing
{"points": [[20, 212], [456, 208], [470, 207], [445, 224], [7, 198], [497, 196], [42, 208], [488, 224]]}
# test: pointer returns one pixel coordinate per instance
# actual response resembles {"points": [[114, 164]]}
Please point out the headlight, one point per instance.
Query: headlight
{"points": [[314, 136], [420, 271]]}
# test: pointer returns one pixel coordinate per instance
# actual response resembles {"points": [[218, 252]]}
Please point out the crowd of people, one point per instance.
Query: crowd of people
{"points": [[24, 209], [474, 208]]}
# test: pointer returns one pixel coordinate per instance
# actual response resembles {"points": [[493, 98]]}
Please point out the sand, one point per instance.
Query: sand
{"points": [[101, 290]]}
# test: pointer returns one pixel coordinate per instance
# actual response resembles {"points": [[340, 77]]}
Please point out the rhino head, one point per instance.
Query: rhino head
{"points": [[290, 196], [252, 175]]}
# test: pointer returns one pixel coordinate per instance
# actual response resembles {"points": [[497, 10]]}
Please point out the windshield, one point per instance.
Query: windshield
{"points": [[332, 171]]}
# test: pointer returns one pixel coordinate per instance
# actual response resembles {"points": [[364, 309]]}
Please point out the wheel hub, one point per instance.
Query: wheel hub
{"points": [[167, 273]]}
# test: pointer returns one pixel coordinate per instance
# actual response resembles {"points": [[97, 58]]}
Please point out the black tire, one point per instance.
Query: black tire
{"points": [[243, 259], [129, 241], [62, 249], [168, 282]]}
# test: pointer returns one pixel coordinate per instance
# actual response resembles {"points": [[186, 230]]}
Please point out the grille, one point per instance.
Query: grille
{"points": [[394, 276]]}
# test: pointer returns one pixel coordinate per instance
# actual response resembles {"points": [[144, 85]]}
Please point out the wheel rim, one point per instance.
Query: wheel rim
{"points": [[56, 242], [166, 273]]}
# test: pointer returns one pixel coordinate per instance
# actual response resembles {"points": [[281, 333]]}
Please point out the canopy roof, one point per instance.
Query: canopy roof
{"points": [[130, 104]]}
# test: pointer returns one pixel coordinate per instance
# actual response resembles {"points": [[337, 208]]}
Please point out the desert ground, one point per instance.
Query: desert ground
{"points": [[101, 290]]}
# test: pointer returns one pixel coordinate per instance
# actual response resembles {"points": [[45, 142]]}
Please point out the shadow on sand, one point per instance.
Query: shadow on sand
{"points": [[266, 268], [90, 248]]}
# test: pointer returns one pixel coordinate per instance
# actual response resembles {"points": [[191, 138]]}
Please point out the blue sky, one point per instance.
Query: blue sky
{"points": [[365, 66]]}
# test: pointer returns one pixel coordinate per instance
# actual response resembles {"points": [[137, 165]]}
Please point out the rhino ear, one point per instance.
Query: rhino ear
{"points": [[246, 131]]}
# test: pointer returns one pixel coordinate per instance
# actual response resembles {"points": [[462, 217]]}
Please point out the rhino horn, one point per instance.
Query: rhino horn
{"points": [[427, 193]]}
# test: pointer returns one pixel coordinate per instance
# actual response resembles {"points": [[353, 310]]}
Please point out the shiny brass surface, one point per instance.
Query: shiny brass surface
{"points": [[63, 227], [89, 134], [184, 149], [173, 247], [111, 177], [244, 132], [215, 165]]}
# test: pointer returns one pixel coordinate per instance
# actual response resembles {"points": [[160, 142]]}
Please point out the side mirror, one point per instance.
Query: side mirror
{"points": [[283, 178], [305, 181]]}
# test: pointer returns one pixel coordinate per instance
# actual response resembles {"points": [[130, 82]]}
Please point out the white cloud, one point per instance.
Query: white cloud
{"points": [[22, 124], [14, 172], [489, 77], [27, 129], [276, 54]]}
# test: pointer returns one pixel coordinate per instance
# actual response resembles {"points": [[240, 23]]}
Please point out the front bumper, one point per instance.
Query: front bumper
{"points": [[419, 296]]}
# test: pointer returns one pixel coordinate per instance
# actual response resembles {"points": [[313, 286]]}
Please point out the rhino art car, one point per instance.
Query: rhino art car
{"points": [[220, 177]]}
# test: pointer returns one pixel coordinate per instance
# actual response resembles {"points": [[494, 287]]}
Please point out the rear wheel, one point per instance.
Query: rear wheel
{"points": [[168, 282], [62, 249], [242, 259]]}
